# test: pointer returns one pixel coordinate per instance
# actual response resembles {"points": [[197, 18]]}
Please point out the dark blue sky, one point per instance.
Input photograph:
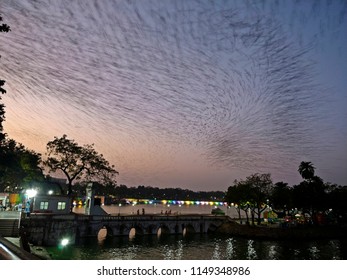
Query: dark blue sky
{"points": [[190, 94]]}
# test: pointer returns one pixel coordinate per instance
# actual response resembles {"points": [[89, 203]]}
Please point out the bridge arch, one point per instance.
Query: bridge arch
{"points": [[163, 229], [211, 227], [138, 230], [104, 232], [152, 229], [124, 229], [188, 229]]}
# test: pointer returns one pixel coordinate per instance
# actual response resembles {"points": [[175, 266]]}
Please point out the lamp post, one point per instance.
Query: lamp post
{"points": [[119, 205], [30, 193]]}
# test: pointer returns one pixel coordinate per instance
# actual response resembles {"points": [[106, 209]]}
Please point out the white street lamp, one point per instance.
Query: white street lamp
{"points": [[31, 193]]}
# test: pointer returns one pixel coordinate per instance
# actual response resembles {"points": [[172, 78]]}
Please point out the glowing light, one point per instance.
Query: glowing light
{"points": [[31, 193], [64, 242]]}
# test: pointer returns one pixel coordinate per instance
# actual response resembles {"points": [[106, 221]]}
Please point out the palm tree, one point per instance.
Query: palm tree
{"points": [[306, 170]]}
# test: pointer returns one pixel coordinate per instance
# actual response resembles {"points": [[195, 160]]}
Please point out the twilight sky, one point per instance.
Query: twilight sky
{"points": [[189, 94]]}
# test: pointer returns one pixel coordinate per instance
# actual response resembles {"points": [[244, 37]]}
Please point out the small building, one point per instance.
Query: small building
{"points": [[55, 204]]}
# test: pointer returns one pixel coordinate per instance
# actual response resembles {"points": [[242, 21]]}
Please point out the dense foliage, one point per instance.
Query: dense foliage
{"points": [[18, 165], [311, 197]]}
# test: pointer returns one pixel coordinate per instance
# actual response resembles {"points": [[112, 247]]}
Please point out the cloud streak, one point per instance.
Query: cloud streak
{"points": [[159, 86]]}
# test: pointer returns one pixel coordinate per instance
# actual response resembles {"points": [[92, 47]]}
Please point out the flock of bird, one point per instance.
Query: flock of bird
{"points": [[224, 80]]}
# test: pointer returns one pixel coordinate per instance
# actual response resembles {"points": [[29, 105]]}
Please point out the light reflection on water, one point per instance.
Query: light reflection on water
{"points": [[200, 247], [272, 252], [251, 253]]}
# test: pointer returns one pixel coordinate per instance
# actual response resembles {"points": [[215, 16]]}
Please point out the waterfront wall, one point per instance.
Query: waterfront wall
{"points": [[49, 230]]}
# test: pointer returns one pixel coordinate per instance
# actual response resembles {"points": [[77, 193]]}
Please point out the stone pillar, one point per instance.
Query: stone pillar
{"points": [[93, 206], [89, 199]]}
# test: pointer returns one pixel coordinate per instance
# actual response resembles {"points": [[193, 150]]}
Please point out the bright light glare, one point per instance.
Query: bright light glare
{"points": [[31, 193], [64, 242], [50, 192]]}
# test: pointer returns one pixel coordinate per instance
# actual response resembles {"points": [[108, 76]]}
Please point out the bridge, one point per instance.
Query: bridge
{"points": [[51, 229]]}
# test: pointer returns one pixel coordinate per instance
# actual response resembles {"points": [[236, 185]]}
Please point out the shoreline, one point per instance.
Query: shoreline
{"points": [[277, 233]]}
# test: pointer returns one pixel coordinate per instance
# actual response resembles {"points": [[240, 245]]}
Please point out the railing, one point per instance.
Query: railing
{"points": [[9, 251], [130, 217]]}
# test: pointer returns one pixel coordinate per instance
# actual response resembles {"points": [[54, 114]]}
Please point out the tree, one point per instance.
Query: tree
{"points": [[251, 194], [281, 197], [337, 198], [18, 165], [238, 195], [306, 170], [78, 162], [311, 196], [261, 188], [3, 28]]}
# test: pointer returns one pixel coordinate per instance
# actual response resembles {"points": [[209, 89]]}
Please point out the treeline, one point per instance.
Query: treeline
{"points": [[148, 192], [168, 193], [312, 197]]}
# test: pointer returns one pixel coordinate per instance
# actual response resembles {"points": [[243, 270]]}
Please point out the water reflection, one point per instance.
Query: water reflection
{"points": [[230, 248], [272, 252], [197, 247], [251, 253], [217, 250], [313, 252], [335, 249]]}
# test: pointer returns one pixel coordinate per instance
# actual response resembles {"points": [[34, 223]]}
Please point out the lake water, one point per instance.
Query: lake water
{"points": [[194, 246]]}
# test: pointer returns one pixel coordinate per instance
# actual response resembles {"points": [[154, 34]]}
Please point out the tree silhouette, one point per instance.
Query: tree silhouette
{"points": [[3, 28], [18, 165], [306, 170], [78, 162], [282, 197], [251, 194]]}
